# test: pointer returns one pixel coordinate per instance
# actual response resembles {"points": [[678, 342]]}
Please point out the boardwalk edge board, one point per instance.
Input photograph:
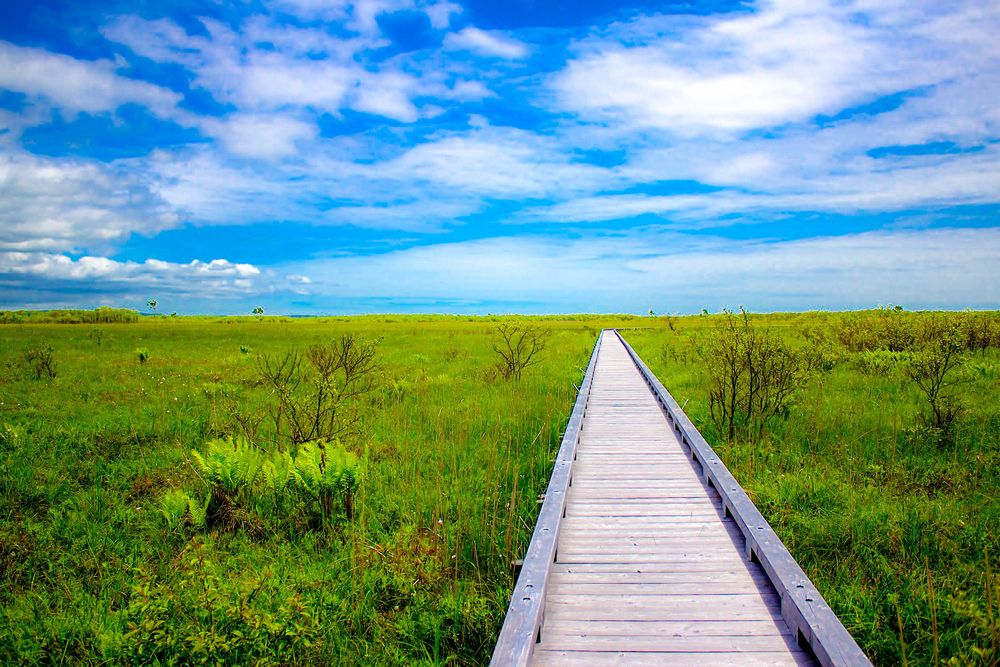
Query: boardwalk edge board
{"points": [[527, 603], [803, 608]]}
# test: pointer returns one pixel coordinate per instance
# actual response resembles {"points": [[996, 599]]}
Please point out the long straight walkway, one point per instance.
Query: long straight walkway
{"points": [[648, 569]]}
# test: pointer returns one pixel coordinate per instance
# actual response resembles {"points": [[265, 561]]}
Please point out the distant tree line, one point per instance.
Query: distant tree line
{"points": [[95, 316]]}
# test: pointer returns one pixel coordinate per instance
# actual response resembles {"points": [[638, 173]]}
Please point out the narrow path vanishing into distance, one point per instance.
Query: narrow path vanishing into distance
{"points": [[647, 552]]}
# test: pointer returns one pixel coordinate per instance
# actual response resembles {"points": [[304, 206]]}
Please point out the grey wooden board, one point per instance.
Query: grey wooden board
{"points": [[625, 600], [637, 558], [668, 628], [577, 612], [666, 566], [545, 658], [616, 587], [648, 570], [668, 643]]}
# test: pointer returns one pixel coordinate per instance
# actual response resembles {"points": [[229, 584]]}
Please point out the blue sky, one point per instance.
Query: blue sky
{"points": [[324, 156]]}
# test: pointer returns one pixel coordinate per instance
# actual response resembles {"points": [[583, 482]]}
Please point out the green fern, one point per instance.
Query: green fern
{"points": [[240, 476], [178, 509], [326, 467], [327, 472], [232, 465], [277, 472]]}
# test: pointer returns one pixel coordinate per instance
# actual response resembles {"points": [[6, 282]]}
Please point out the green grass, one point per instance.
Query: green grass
{"points": [[90, 572], [865, 497]]}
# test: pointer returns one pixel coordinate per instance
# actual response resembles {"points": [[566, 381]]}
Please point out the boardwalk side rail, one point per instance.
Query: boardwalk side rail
{"points": [[527, 603], [803, 608]]}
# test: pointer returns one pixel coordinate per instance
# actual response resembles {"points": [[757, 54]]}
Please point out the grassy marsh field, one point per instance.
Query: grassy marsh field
{"points": [[406, 557], [453, 458]]}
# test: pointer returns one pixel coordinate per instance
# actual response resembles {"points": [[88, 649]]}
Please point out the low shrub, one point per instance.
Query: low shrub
{"points": [[42, 361], [882, 363], [752, 375], [934, 371], [206, 616]]}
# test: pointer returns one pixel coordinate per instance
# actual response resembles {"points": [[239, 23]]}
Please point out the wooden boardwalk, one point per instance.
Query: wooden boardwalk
{"points": [[648, 569], [647, 551]]}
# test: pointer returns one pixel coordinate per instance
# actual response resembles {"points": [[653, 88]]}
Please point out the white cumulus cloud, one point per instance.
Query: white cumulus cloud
{"points": [[66, 204], [78, 85]]}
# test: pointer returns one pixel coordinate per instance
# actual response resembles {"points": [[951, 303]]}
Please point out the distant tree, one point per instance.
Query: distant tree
{"points": [[259, 312], [152, 305]]}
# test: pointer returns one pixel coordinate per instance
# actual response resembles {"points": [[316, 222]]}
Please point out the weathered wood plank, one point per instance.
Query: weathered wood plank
{"points": [[672, 577], [671, 602], [584, 557], [667, 628], [648, 587], [557, 641], [704, 613], [666, 566], [544, 658], [680, 530]]}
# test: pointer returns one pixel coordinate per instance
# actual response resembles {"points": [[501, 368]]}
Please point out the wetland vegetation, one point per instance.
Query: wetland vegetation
{"points": [[353, 491]]}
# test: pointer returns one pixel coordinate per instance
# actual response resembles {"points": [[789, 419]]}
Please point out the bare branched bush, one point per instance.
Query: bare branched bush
{"points": [[752, 375], [42, 360], [315, 393], [519, 345]]}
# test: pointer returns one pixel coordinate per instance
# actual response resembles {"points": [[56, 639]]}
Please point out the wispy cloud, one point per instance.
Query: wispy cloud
{"points": [[485, 44], [785, 62]]}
